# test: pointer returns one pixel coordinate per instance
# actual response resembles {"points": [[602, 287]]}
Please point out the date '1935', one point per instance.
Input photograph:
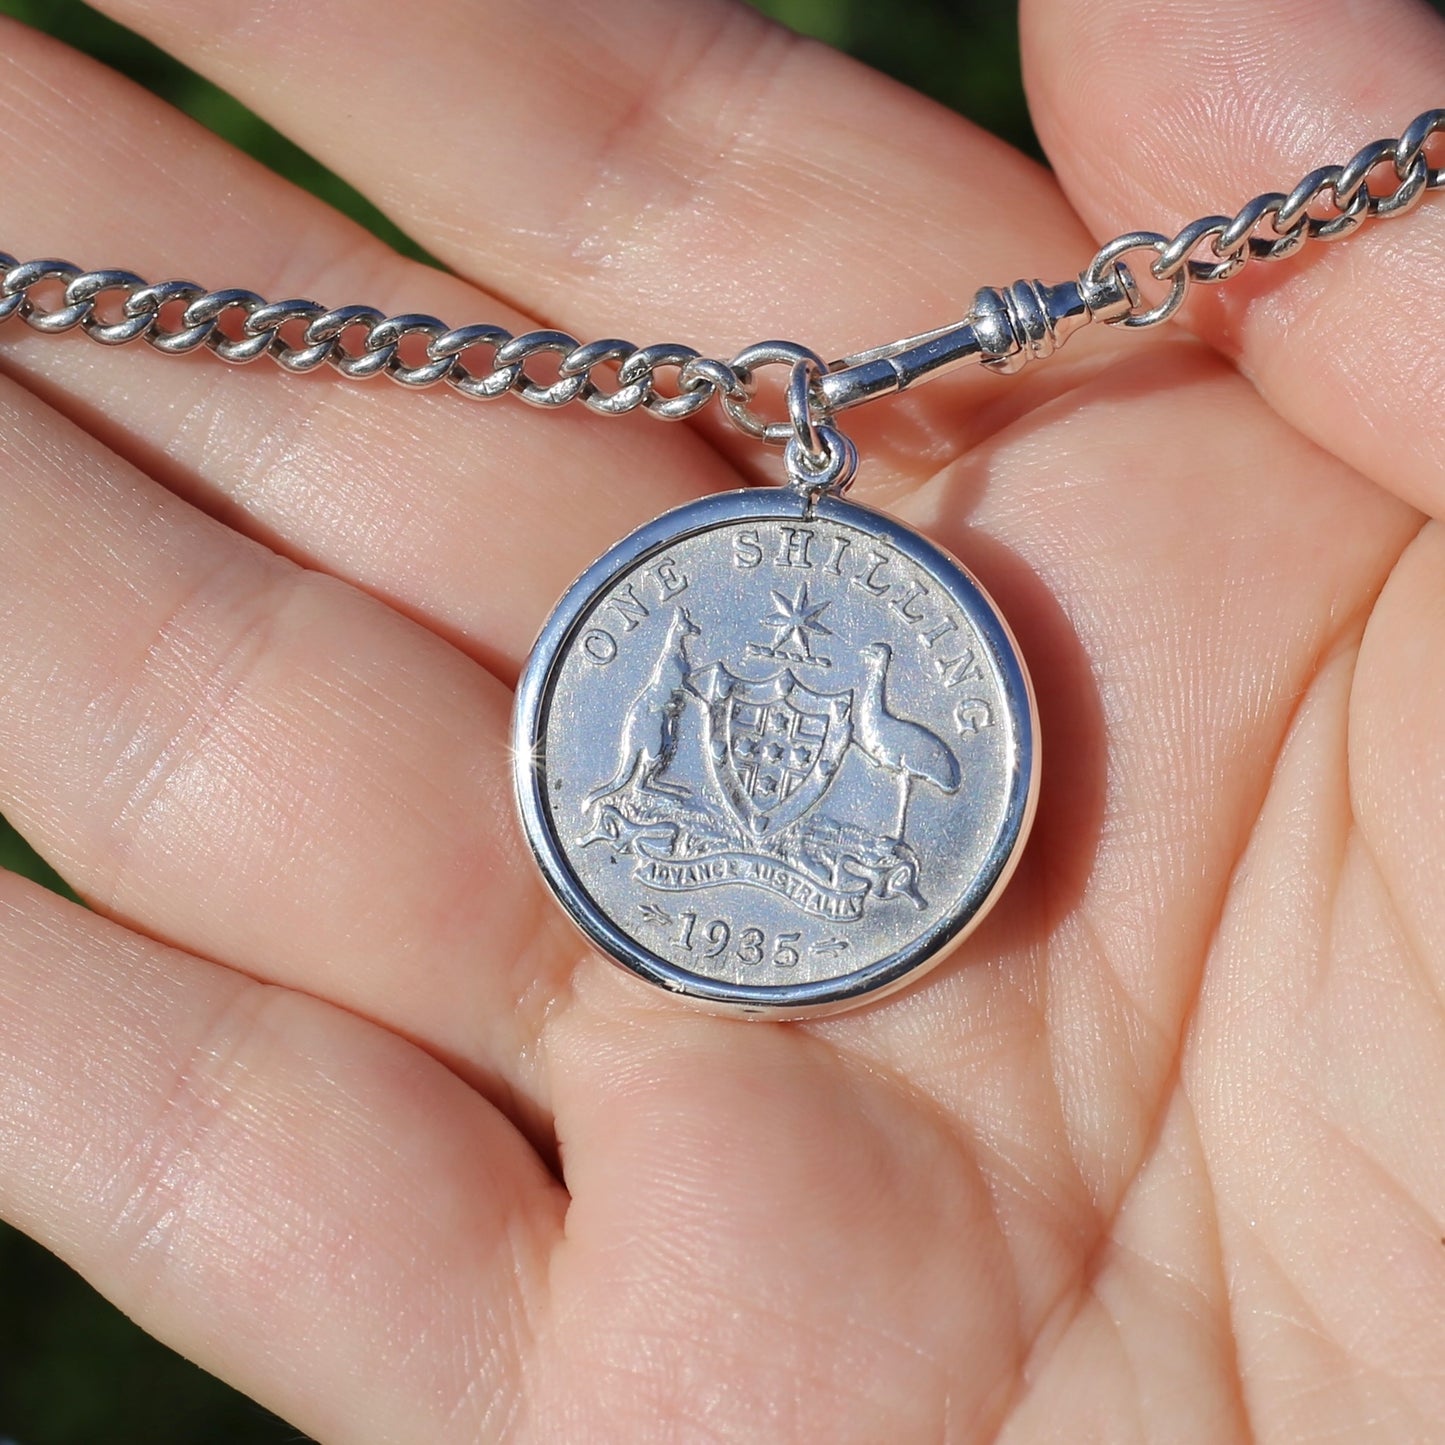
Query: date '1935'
{"points": [[714, 938]]}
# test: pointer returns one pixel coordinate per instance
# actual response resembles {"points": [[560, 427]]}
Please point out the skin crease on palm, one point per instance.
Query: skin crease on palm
{"points": [[326, 1095]]}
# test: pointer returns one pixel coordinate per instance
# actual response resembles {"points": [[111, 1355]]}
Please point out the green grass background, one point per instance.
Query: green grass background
{"points": [[74, 1370]]}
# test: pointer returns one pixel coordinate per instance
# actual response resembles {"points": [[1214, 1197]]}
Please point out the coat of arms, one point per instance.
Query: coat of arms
{"points": [[748, 811], [773, 745]]}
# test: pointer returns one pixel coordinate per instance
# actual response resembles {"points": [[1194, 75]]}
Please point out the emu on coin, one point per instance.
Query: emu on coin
{"points": [[906, 749]]}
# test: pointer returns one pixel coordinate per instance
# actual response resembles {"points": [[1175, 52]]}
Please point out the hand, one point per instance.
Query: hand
{"points": [[328, 1095]]}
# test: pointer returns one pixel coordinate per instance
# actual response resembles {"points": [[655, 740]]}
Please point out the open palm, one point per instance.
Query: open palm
{"points": [[327, 1095]]}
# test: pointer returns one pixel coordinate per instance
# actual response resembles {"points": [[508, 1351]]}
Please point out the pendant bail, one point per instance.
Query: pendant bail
{"points": [[840, 462]]}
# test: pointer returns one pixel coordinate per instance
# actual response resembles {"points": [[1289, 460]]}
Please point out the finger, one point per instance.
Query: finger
{"points": [[433, 502], [1322, 1007], [1151, 124], [751, 1187], [685, 171], [254, 761], [235, 1165], [1397, 746]]}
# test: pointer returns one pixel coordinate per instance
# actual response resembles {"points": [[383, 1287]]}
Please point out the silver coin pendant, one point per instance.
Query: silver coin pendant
{"points": [[776, 753]]}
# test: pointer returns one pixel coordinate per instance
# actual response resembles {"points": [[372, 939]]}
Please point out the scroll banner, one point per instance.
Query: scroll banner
{"points": [[679, 875]]}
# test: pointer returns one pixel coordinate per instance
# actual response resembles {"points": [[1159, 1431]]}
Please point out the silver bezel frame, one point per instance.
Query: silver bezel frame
{"points": [[529, 763]]}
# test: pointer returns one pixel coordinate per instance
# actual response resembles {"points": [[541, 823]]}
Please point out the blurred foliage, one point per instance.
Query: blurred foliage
{"points": [[964, 53], [73, 1370]]}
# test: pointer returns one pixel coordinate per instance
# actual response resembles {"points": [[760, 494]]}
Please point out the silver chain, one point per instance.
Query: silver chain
{"points": [[1004, 329], [359, 341], [1275, 225]]}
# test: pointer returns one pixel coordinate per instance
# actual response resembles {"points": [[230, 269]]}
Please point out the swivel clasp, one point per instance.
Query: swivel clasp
{"points": [[1004, 329]]}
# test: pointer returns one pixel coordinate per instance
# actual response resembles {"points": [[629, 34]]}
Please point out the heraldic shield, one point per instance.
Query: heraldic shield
{"points": [[773, 746]]}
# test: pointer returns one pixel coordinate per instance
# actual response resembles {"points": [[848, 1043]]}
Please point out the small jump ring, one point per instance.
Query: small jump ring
{"points": [[1120, 246], [738, 405], [800, 412]]}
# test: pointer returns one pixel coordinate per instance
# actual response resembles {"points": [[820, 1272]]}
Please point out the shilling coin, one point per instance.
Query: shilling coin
{"points": [[776, 754]]}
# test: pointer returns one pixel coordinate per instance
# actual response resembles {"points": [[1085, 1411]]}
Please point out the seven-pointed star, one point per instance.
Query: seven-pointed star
{"points": [[793, 618]]}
